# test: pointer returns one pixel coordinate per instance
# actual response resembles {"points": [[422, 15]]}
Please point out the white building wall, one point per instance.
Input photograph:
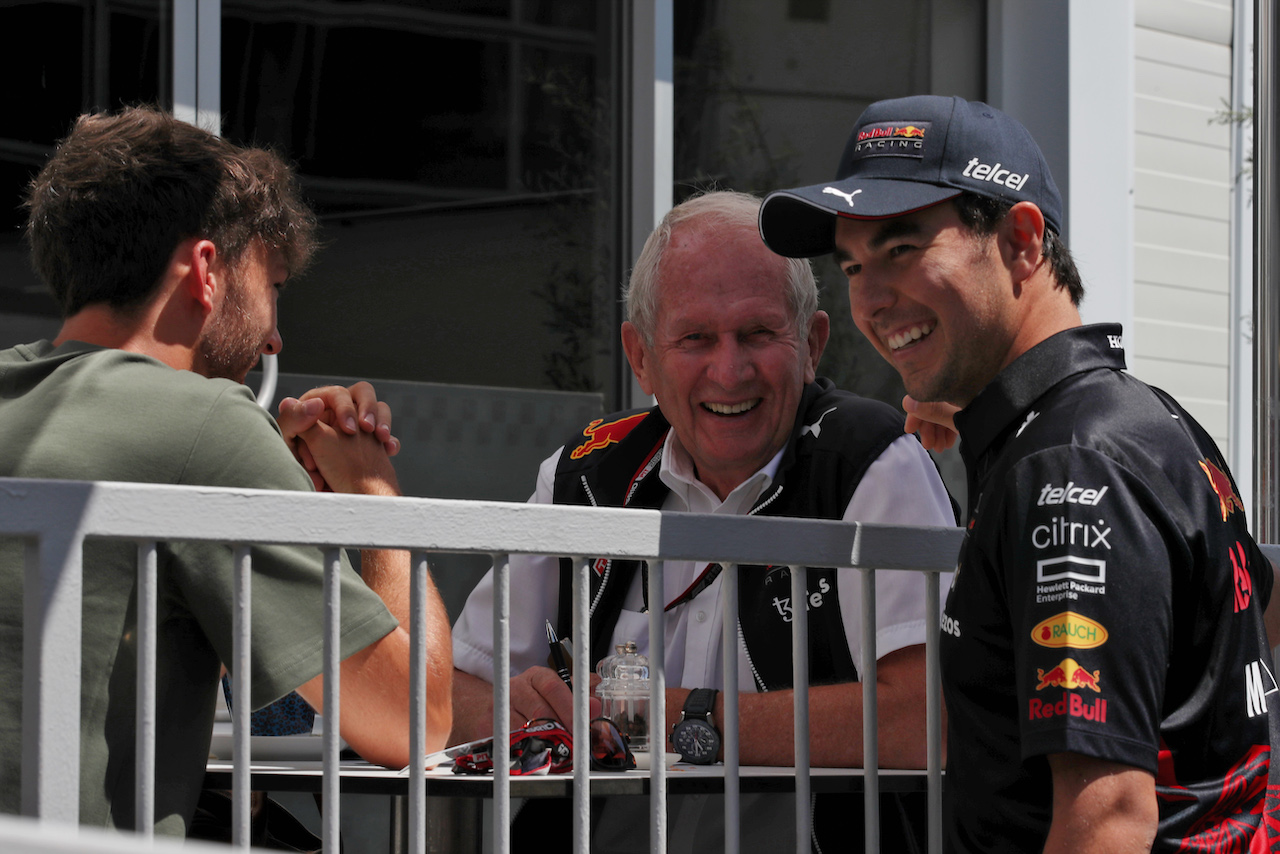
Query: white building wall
{"points": [[1182, 204]]}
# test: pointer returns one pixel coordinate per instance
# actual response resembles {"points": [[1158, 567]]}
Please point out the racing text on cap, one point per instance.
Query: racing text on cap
{"points": [[893, 139]]}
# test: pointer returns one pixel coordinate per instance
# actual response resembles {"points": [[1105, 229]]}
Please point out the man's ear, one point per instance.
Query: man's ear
{"points": [[638, 355], [203, 276], [819, 333], [1021, 235]]}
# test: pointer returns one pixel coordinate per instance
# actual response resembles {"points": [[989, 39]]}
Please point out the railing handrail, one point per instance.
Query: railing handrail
{"points": [[135, 511]]}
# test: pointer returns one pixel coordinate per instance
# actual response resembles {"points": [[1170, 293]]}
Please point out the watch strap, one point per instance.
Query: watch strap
{"points": [[700, 703]]}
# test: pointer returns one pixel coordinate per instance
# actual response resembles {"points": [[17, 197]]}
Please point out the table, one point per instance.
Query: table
{"points": [[454, 801], [358, 776]]}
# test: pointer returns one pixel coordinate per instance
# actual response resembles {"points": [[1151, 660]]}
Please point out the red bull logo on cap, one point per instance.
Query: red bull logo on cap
{"points": [[1228, 501], [892, 139], [602, 434], [891, 129], [1069, 675]]}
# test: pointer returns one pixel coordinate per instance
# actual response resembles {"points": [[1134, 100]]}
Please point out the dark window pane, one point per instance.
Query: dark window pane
{"points": [[59, 60], [461, 165]]}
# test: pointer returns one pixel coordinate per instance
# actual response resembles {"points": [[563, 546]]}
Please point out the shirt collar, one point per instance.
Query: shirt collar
{"points": [[1018, 386], [678, 473]]}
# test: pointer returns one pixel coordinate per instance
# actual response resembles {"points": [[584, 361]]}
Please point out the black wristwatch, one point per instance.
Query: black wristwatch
{"points": [[696, 738]]}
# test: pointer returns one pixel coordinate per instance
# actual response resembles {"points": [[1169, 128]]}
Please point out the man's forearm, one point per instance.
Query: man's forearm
{"points": [[767, 721], [387, 573]]}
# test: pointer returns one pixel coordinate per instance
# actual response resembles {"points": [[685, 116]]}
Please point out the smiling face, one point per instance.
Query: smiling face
{"points": [[244, 324], [726, 363], [935, 300]]}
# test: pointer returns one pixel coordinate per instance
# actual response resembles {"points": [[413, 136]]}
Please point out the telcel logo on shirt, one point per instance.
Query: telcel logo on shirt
{"points": [[1070, 494], [1068, 629]]}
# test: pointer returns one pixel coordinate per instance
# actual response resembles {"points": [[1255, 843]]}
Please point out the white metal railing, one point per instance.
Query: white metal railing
{"points": [[55, 517], [27, 836]]}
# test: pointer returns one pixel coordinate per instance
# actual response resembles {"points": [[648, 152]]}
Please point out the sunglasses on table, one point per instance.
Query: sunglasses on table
{"points": [[545, 746]]}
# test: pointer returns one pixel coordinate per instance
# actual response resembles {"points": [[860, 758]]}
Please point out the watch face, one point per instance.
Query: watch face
{"points": [[696, 741]]}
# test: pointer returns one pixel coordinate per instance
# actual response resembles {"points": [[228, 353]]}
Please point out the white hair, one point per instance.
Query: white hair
{"points": [[718, 210]]}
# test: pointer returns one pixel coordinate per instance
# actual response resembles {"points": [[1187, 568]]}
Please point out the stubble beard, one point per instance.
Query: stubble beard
{"points": [[231, 347]]}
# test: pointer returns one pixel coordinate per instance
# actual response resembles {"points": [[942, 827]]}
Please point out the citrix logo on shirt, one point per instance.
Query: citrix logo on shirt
{"points": [[1063, 531]]}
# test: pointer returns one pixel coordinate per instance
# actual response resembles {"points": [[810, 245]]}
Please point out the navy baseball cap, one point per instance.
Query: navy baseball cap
{"points": [[907, 154]]}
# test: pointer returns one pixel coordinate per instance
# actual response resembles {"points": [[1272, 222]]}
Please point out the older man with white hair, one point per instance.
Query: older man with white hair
{"points": [[727, 337]]}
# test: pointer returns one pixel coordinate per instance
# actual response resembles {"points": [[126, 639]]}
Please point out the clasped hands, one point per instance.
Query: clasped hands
{"points": [[342, 437]]}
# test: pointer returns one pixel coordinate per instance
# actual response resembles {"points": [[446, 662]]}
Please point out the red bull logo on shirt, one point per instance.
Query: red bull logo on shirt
{"points": [[1069, 704], [601, 434], [1228, 501], [1068, 674]]}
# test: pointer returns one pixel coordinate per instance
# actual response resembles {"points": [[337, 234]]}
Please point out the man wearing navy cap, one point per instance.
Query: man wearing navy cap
{"points": [[1104, 655]]}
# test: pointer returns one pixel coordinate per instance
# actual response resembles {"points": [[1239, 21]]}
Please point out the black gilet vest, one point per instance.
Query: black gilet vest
{"points": [[614, 462]]}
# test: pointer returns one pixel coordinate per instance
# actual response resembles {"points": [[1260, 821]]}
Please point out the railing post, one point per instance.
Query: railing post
{"points": [[800, 682], [657, 711], [870, 713], [144, 762], [418, 702], [241, 702], [581, 705], [732, 788], [332, 829], [51, 676], [501, 702], [933, 706]]}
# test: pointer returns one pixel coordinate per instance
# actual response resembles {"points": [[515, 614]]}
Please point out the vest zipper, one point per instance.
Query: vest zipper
{"points": [[766, 502], [755, 674], [746, 651], [608, 567]]}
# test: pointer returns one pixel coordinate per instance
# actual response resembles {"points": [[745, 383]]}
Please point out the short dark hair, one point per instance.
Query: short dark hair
{"points": [[981, 215], [123, 190]]}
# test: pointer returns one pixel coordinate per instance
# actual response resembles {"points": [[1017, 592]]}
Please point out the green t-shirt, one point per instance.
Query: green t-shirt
{"points": [[86, 413]]}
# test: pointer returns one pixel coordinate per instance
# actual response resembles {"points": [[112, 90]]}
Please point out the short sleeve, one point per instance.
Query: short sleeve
{"points": [[240, 445], [1087, 567], [537, 578], [902, 487]]}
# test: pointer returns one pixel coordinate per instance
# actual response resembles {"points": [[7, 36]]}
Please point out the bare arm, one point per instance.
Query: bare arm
{"points": [[1100, 806], [375, 681], [766, 721]]}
